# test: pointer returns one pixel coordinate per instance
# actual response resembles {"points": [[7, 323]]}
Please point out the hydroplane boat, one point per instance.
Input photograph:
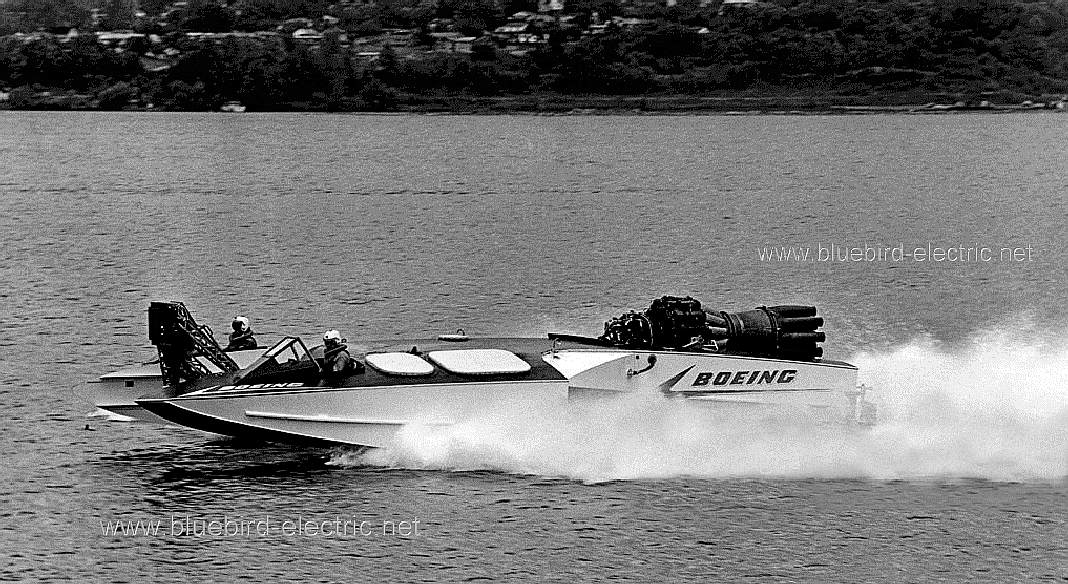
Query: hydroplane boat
{"points": [[675, 349]]}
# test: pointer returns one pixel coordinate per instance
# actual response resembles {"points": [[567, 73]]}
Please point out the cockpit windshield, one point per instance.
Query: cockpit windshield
{"points": [[289, 356], [288, 350]]}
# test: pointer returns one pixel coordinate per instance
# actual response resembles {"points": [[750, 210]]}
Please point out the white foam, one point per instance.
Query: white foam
{"points": [[995, 407]]}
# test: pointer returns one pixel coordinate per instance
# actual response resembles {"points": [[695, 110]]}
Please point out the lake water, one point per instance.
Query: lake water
{"points": [[407, 226]]}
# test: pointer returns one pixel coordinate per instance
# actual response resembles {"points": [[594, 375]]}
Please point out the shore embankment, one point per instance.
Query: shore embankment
{"points": [[596, 104]]}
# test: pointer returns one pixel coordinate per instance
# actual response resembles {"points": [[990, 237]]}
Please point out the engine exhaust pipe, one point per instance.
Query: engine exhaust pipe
{"points": [[793, 310], [807, 337], [803, 324]]}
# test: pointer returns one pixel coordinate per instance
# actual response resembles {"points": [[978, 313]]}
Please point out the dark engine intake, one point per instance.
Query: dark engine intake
{"points": [[785, 332]]}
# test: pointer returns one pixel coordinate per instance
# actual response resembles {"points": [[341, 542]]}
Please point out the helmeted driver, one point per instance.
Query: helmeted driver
{"points": [[242, 336], [336, 358]]}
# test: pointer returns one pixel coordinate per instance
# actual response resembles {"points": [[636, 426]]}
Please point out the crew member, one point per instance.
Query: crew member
{"points": [[336, 359], [242, 337]]}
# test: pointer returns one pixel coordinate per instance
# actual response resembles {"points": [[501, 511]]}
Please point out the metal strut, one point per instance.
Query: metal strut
{"points": [[180, 340]]}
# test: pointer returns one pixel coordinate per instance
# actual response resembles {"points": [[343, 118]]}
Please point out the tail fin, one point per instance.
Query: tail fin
{"points": [[180, 340]]}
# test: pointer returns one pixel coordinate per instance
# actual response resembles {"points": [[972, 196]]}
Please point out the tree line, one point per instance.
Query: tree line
{"points": [[1005, 49]]}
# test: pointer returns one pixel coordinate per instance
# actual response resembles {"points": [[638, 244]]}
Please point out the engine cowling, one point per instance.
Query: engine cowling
{"points": [[671, 322]]}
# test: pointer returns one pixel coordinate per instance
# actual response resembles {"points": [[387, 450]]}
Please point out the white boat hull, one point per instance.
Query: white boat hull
{"points": [[371, 416], [357, 416]]}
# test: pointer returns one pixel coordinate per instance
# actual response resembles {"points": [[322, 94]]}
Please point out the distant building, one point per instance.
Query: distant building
{"points": [[443, 41], [527, 40], [218, 37], [399, 36], [117, 38], [29, 37], [626, 22], [296, 23], [550, 5], [733, 4], [511, 30], [629, 5], [155, 64], [70, 36], [307, 35], [441, 25]]}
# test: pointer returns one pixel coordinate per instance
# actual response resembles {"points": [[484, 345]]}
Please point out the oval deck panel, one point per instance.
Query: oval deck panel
{"points": [[479, 361]]}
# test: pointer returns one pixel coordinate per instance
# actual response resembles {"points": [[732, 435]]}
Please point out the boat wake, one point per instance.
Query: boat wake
{"points": [[995, 407]]}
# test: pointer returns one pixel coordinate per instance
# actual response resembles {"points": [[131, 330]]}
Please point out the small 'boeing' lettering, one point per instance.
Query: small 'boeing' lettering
{"points": [[745, 377], [258, 386]]}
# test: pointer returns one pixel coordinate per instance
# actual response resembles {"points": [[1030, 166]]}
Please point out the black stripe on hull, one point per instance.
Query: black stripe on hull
{"points": [[206, 423], [128, 410]]}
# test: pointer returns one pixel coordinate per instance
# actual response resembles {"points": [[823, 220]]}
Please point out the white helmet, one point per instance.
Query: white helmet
{"points": [[242, 320], [332, 335]]}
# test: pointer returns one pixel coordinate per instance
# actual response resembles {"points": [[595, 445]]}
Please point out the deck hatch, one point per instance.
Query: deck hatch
{"points": [[399, 364], [479, 361]]}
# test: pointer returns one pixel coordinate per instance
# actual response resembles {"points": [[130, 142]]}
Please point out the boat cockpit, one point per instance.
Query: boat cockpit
{"points": [[287, 361]]}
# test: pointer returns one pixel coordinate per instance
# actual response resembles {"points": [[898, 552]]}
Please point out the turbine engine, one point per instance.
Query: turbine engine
{"points": [[671, 322]]}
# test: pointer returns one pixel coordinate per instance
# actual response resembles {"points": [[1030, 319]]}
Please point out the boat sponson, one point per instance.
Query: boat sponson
{"points": [[198, 421]]}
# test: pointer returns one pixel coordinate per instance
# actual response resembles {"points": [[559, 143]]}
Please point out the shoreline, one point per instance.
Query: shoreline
{"points": [[556, 104], [578, 105]]}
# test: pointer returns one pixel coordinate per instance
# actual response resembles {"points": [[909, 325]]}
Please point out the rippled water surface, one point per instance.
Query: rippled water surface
{"points": [[404, 226]]}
